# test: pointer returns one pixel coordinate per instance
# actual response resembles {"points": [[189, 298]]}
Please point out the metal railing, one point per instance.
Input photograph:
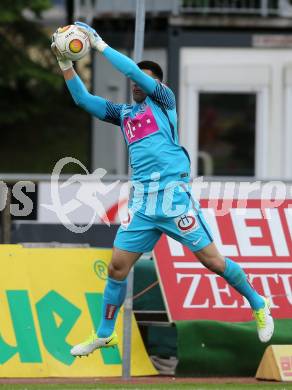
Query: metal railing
{"points": [[260, 8], [94, 8], [235, 7]]}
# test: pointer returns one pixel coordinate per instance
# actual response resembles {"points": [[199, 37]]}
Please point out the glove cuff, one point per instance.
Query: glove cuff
{"points": [[65, 64], [100, 45]]}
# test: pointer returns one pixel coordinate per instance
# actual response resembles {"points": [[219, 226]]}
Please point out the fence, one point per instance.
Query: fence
{"points": [[261, 8]]}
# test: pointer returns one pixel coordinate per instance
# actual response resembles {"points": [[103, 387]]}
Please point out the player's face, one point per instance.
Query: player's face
{"points": [[138, 94]]}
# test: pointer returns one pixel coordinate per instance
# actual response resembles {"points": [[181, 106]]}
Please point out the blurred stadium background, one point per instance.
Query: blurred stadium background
{"points": [[230, 65]]}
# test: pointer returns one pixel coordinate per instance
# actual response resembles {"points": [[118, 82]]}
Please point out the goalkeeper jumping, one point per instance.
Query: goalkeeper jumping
{"points": [[162, 200]]}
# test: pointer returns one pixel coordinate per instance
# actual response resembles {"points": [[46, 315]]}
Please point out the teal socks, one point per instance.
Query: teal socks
{"points": [[113, 298], [237, 278]]}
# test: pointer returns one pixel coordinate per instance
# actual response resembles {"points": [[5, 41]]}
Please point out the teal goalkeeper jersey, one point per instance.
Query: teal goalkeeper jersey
{"points": [[149, 128]]}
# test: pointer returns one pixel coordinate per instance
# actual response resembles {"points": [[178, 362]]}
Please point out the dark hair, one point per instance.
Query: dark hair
{"points": [[153, 66]]}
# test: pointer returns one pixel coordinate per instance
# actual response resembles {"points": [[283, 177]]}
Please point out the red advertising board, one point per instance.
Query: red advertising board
{"points": [[256, 236]]}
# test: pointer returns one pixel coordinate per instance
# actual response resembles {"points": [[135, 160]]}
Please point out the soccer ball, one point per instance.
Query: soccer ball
{"points": [[71, 42]]}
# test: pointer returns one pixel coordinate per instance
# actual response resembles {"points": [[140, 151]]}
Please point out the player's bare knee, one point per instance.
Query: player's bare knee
{"points": [[218, 264], [214, 263], [117, 271]]}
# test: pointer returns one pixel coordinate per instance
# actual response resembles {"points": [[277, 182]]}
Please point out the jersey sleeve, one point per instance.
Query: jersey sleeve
{"points": [[97, 106], [164, 96], [128, 67], [155, 89]]}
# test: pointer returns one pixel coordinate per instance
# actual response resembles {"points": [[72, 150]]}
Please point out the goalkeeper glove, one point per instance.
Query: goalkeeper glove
{"points": [[95, 40], [63, 62]]}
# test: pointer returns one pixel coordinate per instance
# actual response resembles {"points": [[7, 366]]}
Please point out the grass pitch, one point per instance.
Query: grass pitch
{"points": [[177, 386]]}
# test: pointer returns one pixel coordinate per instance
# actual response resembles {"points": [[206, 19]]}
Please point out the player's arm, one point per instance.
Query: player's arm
{"points": [[99, 107], [158, 91], [154, 88]]}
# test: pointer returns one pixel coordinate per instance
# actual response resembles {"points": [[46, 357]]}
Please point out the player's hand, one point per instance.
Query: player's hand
{"points": [[95, 39], [63, 62]]}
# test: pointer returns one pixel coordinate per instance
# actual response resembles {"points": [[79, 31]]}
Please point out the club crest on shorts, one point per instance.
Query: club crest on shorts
{"points": [[187, 222]]}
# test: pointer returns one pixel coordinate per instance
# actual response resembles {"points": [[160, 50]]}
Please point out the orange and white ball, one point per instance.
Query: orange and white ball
{"points": [[71, 42]]}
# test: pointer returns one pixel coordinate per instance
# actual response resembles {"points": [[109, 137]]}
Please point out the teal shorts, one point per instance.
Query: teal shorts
{"points": [[140, 232]]}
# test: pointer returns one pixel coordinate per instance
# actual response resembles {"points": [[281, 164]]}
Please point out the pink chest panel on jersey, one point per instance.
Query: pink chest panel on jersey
{"points": [[142, 125]]}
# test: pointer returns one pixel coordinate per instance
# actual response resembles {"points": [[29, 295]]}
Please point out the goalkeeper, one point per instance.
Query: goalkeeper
{"points": [[162, 200]]}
